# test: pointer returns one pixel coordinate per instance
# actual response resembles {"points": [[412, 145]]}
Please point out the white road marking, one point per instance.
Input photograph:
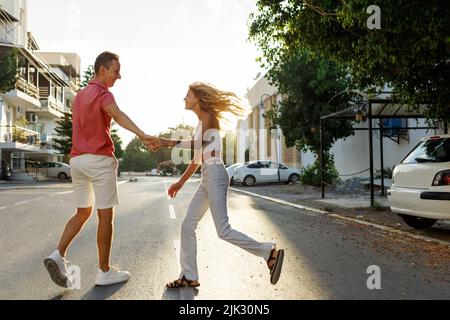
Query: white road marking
{"points": [[64, 192], [176, 245], [282, 202], [172, 212], [1, 208], [21, 202], [121, 182], [166, 188]]}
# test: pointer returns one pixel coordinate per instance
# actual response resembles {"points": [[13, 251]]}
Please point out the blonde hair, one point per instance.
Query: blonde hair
{"points": [[226, 106]]}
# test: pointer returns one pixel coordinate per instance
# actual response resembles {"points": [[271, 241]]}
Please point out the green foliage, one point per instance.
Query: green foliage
{"points": [[63, 139], [387, 173], [410, 52], [311, 174], [308, 84], [87, 76], [8, 70], [181, 131], [137, 157], [118, 151]]}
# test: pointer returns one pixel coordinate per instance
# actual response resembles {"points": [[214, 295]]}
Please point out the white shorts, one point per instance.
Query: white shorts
{"points": [[94, 176]]}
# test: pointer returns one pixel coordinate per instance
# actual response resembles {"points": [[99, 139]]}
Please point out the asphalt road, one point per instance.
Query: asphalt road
{"points": [[325, 258]]}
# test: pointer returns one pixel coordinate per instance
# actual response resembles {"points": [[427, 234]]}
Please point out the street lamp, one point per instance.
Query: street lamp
{"points": [[277, 134]]}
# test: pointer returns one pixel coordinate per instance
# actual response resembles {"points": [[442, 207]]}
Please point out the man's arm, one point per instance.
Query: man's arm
{"points": [[123, 120]]}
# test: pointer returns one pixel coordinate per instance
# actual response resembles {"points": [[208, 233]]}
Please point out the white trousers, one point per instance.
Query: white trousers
{"points": [[212, 194]]}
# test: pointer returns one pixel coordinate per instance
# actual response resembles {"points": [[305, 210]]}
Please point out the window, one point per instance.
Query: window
{"points": [[257, 165], [434, 150]]}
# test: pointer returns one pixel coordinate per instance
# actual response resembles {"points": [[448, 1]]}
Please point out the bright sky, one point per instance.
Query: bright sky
{"points": [[164, 46]]}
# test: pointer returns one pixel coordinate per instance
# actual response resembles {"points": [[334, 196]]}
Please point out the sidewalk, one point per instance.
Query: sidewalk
{"points": [[353, 203]]}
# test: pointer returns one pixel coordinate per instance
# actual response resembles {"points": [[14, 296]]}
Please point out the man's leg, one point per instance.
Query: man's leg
{"points": [[73, 227], [105, 275], [104, 237], [55, 262]]}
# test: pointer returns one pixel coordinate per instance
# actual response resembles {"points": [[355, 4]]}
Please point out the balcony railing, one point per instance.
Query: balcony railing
{"points": [[27, 88], [21, 135]]}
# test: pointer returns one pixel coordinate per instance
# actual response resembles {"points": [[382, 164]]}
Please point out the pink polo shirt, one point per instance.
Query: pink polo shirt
{"points": [[91, 123]]}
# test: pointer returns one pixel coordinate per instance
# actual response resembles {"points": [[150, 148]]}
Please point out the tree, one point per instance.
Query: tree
{"points": [[87, 76], [8, 70], [118, 151], [63, 139], [137, 157], [410, 52], [308, 83], [181, 131]]}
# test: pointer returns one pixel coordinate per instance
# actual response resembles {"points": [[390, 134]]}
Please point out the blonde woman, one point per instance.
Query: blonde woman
{"points": [[212, 107]]}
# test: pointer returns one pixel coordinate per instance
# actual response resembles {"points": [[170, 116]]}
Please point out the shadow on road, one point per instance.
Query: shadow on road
{"points": [[102, 292], [59, 296], [180, 294]]}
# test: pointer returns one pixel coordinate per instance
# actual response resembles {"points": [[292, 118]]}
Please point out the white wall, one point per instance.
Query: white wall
{"points": [[351, 155]]}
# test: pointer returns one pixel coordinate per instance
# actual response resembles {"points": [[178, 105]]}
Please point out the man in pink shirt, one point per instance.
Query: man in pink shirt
{"points": [[94, 170]]}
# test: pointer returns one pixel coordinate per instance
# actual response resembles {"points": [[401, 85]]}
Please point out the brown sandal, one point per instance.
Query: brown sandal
{"points": [[275, 269], [182, 283]]}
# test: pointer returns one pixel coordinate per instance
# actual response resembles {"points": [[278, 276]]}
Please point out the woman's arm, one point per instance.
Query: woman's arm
{"points": [[190, 170], [182, 144]]}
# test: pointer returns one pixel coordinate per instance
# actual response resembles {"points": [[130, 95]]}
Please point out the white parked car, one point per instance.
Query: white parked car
{"points": [[231, 169], [263, 171], [420, 190], [58, 170], [153, 173]]}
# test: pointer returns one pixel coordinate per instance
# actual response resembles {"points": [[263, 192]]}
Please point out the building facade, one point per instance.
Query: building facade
{"points": [[255, 137], [46, 83]]}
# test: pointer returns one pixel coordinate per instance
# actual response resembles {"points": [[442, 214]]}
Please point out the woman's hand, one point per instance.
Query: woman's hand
{"points": [[173, 189]]}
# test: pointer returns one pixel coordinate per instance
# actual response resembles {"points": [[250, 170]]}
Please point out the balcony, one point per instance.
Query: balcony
{"points": [[25, 94], [27, 88], [20, 139], [50, 104]]}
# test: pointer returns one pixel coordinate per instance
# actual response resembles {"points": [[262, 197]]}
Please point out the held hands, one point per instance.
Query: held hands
{"points": [[173, 189], [153, 143]]}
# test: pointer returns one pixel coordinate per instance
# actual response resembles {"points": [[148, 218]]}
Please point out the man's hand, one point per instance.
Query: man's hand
{"points": [[153, 143]]}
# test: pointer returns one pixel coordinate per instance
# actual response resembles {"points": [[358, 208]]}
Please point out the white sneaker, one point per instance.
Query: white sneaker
{"points": [[113, 276], [56, 267]]}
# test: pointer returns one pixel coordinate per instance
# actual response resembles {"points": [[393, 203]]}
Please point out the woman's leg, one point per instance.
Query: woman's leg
{"points": [[188, 244], [217, 184]]}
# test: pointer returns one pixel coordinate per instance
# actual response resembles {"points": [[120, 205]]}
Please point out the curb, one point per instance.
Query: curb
{"points": [[337, 216]]}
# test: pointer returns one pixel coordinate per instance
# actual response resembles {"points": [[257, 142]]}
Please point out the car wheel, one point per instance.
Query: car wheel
{"points": [[417, 222], [249, 181], [293, 178], [62, 176]]}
